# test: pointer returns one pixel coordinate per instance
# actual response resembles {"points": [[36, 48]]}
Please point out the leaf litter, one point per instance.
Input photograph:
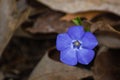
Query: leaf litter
{"points": [[22, 53]]}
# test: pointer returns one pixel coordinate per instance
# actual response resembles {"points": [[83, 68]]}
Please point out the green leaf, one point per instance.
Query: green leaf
{"points": [[77, 21], [87, 29]]}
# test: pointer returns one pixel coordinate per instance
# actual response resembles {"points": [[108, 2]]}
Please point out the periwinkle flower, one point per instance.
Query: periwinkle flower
{"points": [[76, 46]]}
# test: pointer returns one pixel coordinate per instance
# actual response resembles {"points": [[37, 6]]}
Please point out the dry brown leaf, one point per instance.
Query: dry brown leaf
{"points": [[73, 6], [10, 18], [88, 15], [48, 22], [109, 39], [49, 69], [110, 69]]}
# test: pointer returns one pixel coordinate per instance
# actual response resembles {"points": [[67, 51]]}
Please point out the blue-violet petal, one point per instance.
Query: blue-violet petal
{"points": [[89, 41], [76, 32], [68, 56], [85, 56], [63, 41]]}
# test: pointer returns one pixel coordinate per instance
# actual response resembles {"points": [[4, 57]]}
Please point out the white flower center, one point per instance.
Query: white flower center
{"points": [[76, 44]]}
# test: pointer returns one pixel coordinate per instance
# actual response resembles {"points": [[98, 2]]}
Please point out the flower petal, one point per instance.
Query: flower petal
{"points": [[89, 41], [63, 41], [76, 32], [68, 56], [85, 56]]}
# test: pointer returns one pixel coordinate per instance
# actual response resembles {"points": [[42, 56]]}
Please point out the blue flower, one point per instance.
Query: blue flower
{"points": [[76, 46]]}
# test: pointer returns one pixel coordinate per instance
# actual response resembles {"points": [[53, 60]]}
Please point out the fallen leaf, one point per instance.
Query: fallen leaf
{"points": [[110, 69], [10, 19], [109, 18], [49, 69], [48, 22], [88, 15], [74, 6], [108, 39]]}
